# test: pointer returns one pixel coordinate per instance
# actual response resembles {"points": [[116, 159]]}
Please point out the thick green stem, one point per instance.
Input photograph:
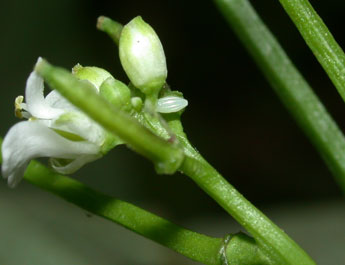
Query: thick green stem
{"points": [[272, 241], [319, 39], [196, 246], [199, 247], [288, 83], [275, 243]]}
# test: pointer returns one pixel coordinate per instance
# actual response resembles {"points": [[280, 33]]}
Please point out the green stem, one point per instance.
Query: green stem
{"points": [[275, 243], [111, 27], [272, 241], [198, 247], [319, 39], [288, 83]]}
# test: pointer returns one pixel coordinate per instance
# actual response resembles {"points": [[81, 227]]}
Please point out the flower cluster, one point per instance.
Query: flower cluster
{"points": [[57, 129]]}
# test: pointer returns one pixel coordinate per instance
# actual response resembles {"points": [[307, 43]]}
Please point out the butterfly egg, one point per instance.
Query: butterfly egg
{"points": [[171, 104]]}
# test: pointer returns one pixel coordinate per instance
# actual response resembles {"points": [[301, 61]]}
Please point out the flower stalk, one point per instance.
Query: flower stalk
{"points": [[319, 39], [290, 86], [274, 242], [202, 248], [111, 27]]}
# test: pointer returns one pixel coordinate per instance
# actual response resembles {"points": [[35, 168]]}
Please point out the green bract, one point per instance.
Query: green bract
{"points": [[142, 56]]}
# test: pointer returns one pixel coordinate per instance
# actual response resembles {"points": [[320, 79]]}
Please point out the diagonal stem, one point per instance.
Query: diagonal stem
{"points": [[289, 84], [319, 39], [276, 244], [195, 246], [272, 240]]}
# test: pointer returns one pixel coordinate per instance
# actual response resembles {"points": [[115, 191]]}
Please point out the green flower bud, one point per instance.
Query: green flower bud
{"points": [[94, 75], [142, 56], [116, 92], [137, 103]]}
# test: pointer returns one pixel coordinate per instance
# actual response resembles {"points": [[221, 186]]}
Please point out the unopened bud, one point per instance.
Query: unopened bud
{"points": [[116, 92], [142, 56]]}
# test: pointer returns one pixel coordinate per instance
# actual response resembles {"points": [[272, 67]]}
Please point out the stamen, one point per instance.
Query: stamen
{"points": [[18, 107]]}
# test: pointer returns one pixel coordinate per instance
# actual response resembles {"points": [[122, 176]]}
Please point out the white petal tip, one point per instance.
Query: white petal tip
{"points": [[39, 59], [15, 176]]}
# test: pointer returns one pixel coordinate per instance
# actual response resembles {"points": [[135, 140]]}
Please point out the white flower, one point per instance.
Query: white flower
{"points": [[55, 129]]}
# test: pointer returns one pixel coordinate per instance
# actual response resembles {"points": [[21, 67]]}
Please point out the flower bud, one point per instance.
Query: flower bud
{"points": [[142, 56], [94, 75], [116, 92], [137, 103]]}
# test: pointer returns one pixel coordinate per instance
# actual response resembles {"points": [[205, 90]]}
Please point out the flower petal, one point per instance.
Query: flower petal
{"points": [[16, 176], [79, 124], [55, 100], [74, 165], [35, 103], [31, 139], [171, 104]]}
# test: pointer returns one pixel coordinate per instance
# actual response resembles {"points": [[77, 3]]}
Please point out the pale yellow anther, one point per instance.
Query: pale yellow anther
{"points": [[18, 107]]}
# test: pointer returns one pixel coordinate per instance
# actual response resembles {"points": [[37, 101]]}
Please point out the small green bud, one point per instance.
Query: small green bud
{"points": [[116, 92], [142, 56], [137, 103], [94, 75]]}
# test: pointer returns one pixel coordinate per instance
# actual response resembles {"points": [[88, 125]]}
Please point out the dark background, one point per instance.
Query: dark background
{"points": [[234, 118]]}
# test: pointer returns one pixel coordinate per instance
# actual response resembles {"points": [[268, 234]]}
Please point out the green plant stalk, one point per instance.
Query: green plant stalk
{"points": [[289, 84], [190, 244], [319, 39], [273, 240], [111, 27], [195, 246]]}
